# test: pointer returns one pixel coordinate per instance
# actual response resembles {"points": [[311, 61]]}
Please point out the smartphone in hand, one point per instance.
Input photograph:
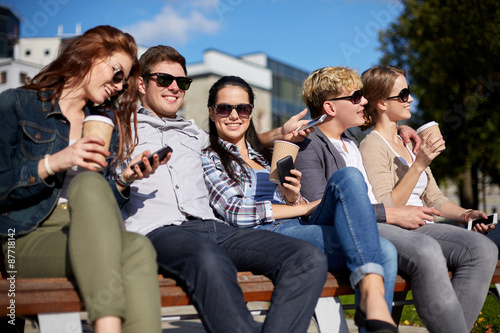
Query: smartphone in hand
{"points": [[284, 166], [162, 152], [312, 123], [492, 219]]}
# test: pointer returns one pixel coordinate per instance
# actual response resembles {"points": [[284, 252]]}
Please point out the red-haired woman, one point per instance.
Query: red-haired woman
{"points": [[59, 216]]}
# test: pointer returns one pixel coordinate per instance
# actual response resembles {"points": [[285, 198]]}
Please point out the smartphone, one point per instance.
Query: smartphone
{"points": [[312, 123], [492, 219], [284, 166], [162, 152]]}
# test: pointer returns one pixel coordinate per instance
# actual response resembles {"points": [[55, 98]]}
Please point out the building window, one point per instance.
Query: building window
{"points": [[3, 77], [23, 77], [27, 53]]}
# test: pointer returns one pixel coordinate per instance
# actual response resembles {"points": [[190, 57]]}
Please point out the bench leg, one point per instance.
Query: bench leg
{"points": [[330, 316], [398, 304], [495, 292], [60, 322]]}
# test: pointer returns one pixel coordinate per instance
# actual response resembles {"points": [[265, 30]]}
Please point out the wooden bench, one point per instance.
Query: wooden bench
{"points": [[56, 301]]}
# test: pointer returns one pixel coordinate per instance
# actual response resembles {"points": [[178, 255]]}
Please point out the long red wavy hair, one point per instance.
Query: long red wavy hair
{"points": [[76, 59]]}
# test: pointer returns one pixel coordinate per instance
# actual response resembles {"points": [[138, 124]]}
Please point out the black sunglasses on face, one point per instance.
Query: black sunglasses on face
{"points": [[404, 94], [355, 97], [165, 80], [118, 75], [224, 110]]}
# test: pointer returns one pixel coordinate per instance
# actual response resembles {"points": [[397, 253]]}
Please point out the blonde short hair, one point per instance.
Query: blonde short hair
{"points": [[326, 83]]}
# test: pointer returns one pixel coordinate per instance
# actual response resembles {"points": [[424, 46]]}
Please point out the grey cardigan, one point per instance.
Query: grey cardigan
{"points": [[318, 159]]}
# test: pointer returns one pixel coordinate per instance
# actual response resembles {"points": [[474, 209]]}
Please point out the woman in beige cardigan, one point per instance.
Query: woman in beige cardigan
{"points": [[401, 177], [398, 178]]}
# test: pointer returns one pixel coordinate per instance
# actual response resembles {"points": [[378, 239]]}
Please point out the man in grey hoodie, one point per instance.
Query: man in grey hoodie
{"points": [[202, 252]]}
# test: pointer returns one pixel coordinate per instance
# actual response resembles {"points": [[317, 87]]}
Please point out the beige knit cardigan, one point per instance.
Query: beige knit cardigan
{"points": [[385, 170]]}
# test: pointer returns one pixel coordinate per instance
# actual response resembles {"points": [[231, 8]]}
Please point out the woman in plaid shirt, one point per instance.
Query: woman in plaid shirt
{"points": [[342, 224]]}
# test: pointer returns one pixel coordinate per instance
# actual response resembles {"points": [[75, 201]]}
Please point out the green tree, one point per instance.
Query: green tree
{"points": [[451, 51]]}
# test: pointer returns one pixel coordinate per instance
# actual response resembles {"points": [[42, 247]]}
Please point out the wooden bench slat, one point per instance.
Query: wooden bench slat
{"points": [[55, 295]]}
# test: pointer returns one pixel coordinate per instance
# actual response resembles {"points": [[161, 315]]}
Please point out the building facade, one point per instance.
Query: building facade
{"points": [[13, 73]]}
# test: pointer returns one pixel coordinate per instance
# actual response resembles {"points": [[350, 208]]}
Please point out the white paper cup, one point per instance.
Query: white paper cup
{"points": [[99, 126], [432, 127], [281, 150]]}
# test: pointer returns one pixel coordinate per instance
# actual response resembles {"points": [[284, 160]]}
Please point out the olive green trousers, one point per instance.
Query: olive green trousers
{"points": [[115, 270]]}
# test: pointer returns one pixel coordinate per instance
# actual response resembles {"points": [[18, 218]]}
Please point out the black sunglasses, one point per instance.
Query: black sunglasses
{"points": [[165, 80], [404, 94], [118, 75], [355, 97], [224, 110]]}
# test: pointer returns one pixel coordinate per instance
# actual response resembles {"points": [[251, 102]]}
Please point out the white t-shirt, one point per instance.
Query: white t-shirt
{"points": [[353, 158], [418, 190]]}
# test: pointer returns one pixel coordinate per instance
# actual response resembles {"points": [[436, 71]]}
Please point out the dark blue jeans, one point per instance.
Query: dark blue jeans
{"points": [[494, 236], [204, 256]]}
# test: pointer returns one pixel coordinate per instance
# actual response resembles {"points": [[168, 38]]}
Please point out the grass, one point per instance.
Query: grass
{"points": [[488, 320]]}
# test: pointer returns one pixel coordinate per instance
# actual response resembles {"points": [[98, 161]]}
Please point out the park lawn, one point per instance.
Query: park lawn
{"points": [[488, 320]]}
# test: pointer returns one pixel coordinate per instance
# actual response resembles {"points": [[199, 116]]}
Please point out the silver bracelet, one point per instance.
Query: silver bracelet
{"points": [[47, 166], [122, 181]]}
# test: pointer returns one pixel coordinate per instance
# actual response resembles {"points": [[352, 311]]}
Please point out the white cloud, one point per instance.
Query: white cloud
{"points": [[172, 26]]}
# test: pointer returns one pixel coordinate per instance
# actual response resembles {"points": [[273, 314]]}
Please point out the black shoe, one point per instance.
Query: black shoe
{"points": [[373, 325]]}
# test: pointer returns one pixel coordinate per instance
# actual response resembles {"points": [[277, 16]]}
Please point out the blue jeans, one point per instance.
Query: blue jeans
{"points": [[204, 256], [426, 254], [345, 229]]}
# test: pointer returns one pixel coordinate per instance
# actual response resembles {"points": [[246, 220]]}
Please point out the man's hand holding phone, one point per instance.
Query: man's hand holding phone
{"points": [[150, 159], [143, 165]]}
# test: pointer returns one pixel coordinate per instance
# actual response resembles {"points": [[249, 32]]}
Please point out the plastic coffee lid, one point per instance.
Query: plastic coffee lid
{"points": [[426, 126], [288, 142], [99, 118]]}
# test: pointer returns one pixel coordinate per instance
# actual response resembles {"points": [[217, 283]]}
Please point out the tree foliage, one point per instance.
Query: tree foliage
{"points": [[451, 51]]}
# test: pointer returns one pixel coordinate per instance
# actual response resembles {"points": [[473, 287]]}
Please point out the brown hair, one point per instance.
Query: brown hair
{"points": [[377, 85], [326, 83], [76, 59], [160, 53]]}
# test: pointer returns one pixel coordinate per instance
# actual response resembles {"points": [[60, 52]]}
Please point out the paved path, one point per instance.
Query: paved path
{"points": [[195, 326]]}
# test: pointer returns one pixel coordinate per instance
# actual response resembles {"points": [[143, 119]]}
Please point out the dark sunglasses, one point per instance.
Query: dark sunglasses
{"points": [[355, 97], [404, 94], [224, 110], [118, 75], [165, 80]]}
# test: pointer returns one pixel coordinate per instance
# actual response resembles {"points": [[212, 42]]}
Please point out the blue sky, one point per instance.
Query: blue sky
{"points": [[307, 34]]}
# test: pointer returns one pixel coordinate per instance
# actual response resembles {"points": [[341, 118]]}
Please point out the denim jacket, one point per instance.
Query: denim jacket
{"points": [[29, 130]]}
